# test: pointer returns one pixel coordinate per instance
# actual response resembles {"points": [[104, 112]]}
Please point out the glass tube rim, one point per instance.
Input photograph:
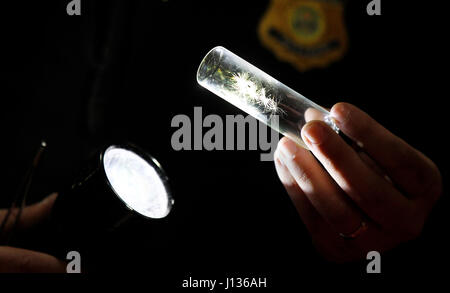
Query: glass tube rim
{"points": [[202, 63]]}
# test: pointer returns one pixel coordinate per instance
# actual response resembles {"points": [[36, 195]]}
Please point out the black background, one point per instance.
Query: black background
{"points": [[231, 214]]}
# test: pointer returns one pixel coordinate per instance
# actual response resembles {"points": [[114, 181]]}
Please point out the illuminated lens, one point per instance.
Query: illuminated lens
{"points": [[136, 182]]}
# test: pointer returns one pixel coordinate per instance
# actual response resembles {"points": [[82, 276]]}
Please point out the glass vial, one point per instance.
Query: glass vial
{"points": [[258, 94]]}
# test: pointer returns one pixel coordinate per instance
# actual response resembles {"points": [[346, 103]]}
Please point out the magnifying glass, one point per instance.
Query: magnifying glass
{"points": [[120, 182], [138, 180]]}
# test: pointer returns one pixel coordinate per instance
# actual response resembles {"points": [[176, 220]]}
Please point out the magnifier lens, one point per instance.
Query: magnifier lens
{"points": [[136, 182]]}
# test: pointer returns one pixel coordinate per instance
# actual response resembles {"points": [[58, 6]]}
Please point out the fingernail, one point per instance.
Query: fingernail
{"points": [[340, 113], [50, 197], [289, 149], [277, 156], [283, 171], [279, 161], [314, 133], [387, 178]]}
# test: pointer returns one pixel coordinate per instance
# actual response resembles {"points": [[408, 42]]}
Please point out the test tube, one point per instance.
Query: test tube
{"points": [[258, 94]]}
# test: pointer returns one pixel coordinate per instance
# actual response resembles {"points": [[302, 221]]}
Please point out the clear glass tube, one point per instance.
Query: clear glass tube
{"points": [[258, 94]]}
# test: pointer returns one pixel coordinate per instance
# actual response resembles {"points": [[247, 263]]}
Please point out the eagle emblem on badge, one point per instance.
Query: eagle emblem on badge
{"points": [[306, 33]]}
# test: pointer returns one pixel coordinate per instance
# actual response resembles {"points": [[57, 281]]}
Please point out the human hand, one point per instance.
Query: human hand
{"points": [[355, 200], [18, 260]]}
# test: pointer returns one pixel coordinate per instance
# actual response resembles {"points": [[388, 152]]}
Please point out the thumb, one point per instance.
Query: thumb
{"points": [[31, 215], [18, 260]]}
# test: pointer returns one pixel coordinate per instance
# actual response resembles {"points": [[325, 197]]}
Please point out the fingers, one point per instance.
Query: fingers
{"points": [[321, 233], [410, 170], [348, 185], [318, 187], [313, 114], [31, 215], [312, 220], [326, 240], [373, 165], [371, 192], [17, 260]]}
